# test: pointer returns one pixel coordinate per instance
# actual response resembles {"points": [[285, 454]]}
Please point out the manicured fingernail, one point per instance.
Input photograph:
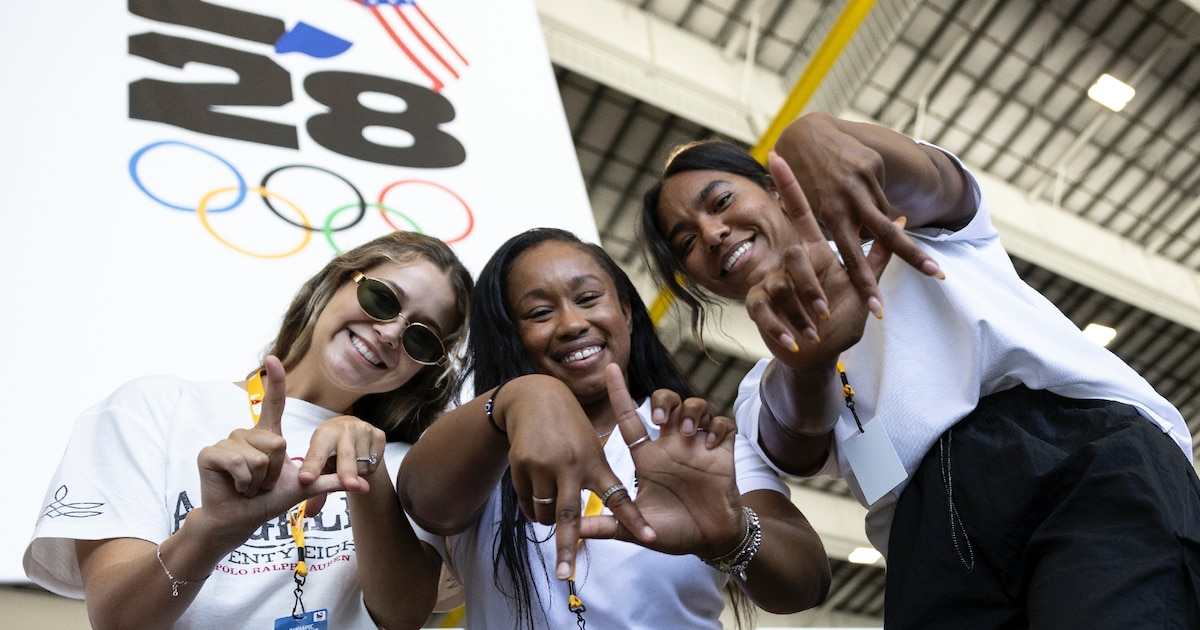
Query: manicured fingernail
{"points": [[822, 309], [811, 335], [901, 221], [563, 571], [658, 416], [688, 426], [786, 341], [931, 268], [875, 306]]}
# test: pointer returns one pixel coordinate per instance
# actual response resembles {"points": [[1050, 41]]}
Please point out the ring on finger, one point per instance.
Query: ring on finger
{"points": [[372, 459], [638, 442], [611, 491], [543, 501]]}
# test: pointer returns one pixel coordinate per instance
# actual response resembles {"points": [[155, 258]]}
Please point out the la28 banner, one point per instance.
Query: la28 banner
{"points": [[172, 170]]}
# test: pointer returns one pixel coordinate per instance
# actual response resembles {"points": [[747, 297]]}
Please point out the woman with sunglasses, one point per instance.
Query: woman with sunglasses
{"points": [[559, 342], [176, 504], [1016, 474]]}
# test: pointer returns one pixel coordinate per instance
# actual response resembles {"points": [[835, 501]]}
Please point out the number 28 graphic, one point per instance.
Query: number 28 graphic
{"points": [[263, 82]]}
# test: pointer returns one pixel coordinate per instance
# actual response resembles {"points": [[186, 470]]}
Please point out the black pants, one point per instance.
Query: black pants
{"points": [[1038, 511]]}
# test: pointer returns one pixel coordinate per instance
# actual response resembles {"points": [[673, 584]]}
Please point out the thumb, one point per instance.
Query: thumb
{"points": [[795, 204], [632, 428], [315, 503], [634, 433], [274, 396]]}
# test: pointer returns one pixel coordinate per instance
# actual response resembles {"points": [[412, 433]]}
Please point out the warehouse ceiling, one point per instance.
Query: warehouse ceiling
{"points": [[1100, 209]]}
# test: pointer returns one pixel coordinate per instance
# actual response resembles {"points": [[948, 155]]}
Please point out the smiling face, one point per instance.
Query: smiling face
{"points": [[352, 355], [726, 230], [569, 316]]}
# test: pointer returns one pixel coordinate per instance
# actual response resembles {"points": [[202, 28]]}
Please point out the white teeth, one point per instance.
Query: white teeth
{"points": [[365, 351], [579, 355], [735, 255]]}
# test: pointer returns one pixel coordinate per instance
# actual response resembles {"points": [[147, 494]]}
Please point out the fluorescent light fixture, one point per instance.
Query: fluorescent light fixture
{"points": [[1111, 92], [864, 555], [1102, 335]]}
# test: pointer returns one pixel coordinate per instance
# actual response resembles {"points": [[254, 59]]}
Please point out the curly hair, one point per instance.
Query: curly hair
{"points": [[405, 412]]}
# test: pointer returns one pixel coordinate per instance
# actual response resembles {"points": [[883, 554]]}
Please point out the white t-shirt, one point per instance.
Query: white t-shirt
{"points": [[945, 343], [622, 584], [130, 471]]}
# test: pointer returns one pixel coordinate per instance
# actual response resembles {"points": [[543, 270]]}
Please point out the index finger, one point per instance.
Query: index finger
{"points": [[632, 431]]}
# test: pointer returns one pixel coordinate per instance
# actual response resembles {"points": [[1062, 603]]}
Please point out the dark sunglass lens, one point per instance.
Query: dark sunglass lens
{"points": [[422, 344], [377, 300]]}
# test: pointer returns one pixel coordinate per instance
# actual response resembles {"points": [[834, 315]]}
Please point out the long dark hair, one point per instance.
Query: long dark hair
{"points": [[405, 412], [708, 155], [496, 355]]}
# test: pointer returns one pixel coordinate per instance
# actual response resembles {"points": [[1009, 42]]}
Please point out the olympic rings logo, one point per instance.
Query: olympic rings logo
{"points": [[206, 206]]}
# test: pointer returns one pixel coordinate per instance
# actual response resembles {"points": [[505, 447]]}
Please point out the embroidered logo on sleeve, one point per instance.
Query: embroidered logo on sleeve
{"points": [[60, 507]]}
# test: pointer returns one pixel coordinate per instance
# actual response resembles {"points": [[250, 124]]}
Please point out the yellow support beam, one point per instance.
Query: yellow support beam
{"points": [[662, 304], [820, 64]]}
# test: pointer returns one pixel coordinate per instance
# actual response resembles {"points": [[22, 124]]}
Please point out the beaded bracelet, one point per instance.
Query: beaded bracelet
{"points": [[175, 583], [491, 403], [736, 561]]}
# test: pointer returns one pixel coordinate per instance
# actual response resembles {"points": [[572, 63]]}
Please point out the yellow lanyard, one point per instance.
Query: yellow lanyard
{"points": [[592, 507], [256, 393], [848, 394]]}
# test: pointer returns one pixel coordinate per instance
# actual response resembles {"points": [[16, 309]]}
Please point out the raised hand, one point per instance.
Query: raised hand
{"points": [[808, 310], [845, 179], [347, 446], [246, 479], [554, 455], [687, 489]]}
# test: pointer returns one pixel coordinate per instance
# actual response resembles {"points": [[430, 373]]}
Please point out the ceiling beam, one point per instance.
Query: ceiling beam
{"points": [[619, 45]]}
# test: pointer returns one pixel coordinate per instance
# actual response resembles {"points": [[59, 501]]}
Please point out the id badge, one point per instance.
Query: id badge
{"points": [[311, 620], [874, 460]]}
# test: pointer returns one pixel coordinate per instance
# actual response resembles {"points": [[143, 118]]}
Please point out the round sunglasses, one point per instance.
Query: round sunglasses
{"points": [[380, 303]]}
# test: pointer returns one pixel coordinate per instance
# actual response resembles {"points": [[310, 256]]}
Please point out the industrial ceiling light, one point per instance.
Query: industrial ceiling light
{"points": [[1102, 335], [1111, 92], [864, 555]]}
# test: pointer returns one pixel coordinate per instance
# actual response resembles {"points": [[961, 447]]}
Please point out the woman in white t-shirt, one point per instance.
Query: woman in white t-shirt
{"points": [[561, 345], [176, 505], [1015, 473]]}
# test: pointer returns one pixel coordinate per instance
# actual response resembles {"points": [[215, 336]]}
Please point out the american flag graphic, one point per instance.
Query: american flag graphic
{"points": [[419, 39]]}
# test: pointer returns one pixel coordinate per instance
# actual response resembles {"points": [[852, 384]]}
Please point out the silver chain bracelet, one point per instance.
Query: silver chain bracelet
{"points": [[736, 561]]}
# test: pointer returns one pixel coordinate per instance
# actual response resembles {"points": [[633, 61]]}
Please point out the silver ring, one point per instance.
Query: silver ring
{"points": [[372, 460], [611, 491], [638, 442], [542, 501]]}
